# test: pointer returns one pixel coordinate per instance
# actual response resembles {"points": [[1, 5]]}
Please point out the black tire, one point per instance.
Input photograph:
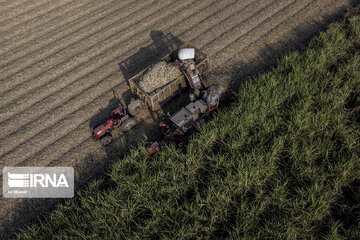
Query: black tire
{"points": [[93, 136], [128, 124], [106, 140]]}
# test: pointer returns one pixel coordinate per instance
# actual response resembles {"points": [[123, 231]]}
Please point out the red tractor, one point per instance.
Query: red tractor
{"points": [[119, 118], [187, 120]]}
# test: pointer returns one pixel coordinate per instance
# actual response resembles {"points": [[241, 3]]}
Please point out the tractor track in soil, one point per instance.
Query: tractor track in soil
{"points": [[57, 67]]}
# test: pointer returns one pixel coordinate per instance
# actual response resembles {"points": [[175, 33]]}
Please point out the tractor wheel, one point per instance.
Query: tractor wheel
{"points": [[128, 124], [93, 136], [105, 140]]}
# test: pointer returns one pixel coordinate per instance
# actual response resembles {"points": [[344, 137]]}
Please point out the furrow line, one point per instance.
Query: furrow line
{"points": [[19, 34], [25, 45], [29, 16], [247, 25], [233, 22], [261, 29], [21, 8], [6, 5], [215, 21]]}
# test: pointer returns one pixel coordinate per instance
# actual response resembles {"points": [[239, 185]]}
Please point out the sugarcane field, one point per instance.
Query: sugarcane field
{"points": [[231, 119]]}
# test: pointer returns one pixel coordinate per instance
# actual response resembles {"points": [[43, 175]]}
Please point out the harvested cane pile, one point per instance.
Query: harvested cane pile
{"points": [[158, 75]]}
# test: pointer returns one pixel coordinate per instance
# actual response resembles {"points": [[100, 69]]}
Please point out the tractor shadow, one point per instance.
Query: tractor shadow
{"points": [[105, 112]]}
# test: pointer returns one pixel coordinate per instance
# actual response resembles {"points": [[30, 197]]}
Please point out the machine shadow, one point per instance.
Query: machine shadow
{"points": [[105, 112]]}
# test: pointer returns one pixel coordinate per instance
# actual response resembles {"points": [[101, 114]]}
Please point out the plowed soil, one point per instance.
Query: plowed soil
{"points": [[63, 64]]}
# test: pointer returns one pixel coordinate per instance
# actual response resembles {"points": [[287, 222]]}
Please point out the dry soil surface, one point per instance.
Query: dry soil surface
{"points": [[63, 62]]}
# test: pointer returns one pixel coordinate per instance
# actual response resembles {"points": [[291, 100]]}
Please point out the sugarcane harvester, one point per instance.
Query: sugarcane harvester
{"points": [[188, 119], [187, 65]]}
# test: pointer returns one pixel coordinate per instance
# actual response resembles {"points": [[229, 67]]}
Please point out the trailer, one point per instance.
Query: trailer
{"points": [[161, 95]]}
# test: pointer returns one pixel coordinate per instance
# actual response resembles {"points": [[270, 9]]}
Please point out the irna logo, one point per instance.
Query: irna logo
{"points": [[36, 180]]}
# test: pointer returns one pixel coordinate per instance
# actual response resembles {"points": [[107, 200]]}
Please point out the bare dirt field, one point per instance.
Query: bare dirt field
{"points": [[62, 61]]}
